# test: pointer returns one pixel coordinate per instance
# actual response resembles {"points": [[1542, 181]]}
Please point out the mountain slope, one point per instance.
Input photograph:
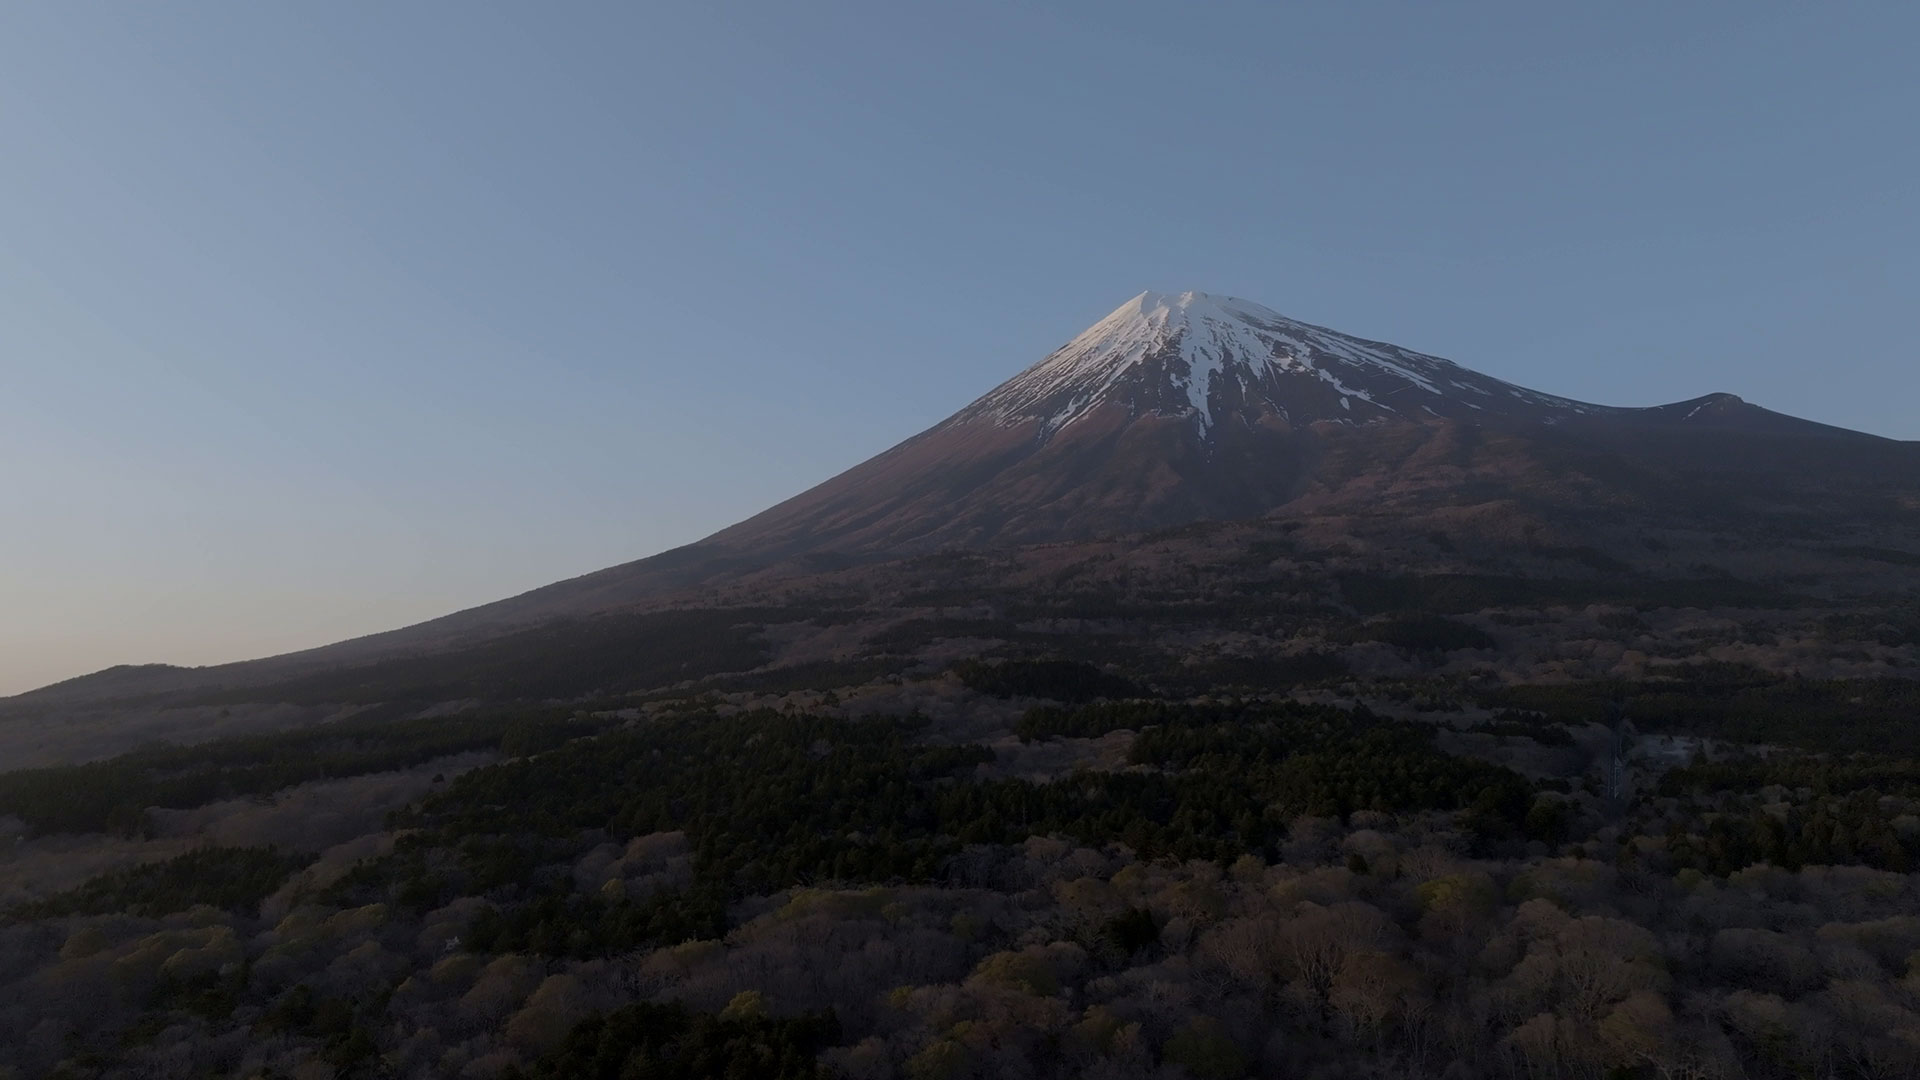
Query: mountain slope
{"points": [[1189, 407], [1180, 408]]}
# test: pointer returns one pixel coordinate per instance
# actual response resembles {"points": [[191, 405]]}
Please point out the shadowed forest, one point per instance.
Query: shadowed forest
{"points": [[1255, 887]]}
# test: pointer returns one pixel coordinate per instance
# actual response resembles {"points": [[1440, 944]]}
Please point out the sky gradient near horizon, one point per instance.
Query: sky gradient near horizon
{"points": [[321, 319]]}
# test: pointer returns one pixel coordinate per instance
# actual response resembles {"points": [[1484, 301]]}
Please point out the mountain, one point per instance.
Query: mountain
{"points": [[1186, 408], [1191, 407]]}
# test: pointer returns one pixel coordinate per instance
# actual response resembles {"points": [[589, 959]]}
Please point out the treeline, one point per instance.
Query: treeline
{"points": [[113, 795], [1526, 725], [539, 733], [1296, 759], [1852, 830], [1227, 779], [563, 922], [1821, 774], [773, 800], [1794, 810], [1093, 721], [1893, 626], [1450, 594], [1272, 671], [1061, 680], [1738, 703], [233, 879], [766, 799]]}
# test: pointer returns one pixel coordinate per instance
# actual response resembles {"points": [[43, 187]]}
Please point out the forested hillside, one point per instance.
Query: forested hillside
{"points": [[1398, 883]]}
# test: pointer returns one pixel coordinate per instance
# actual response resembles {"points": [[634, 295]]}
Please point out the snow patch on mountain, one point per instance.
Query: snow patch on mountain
{"points": [[1202, 346]]}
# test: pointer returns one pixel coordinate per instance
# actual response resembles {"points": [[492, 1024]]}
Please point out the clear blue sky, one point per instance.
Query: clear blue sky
{"points": [[318, 319]]}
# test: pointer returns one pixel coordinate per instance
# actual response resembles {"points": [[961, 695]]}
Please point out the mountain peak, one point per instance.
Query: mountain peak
{"points": [[1193, 303], [1212, 358]]}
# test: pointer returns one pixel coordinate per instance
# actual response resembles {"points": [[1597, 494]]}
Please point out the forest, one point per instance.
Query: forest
{"points": [[1259, 886]]}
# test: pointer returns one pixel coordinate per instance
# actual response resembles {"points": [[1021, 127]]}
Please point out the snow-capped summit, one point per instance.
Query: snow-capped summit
{"points": [[1210, 357], [1190, 406]]}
